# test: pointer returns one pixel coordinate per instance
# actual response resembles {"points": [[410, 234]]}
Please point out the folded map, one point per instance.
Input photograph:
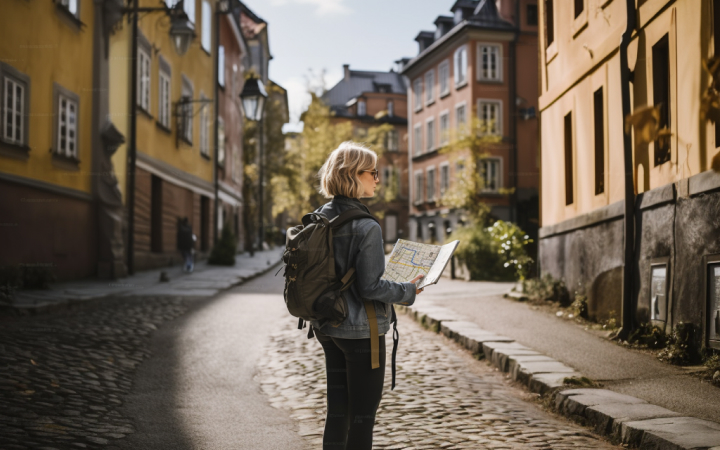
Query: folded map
{"points": [[410, 259]]}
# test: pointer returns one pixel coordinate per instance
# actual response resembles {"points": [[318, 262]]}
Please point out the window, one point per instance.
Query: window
{"points": [[417, 139], [460, 61], [430, 143], [186, 114], [361, 108], [221, 142], [221, 66], [661, 95], [14, 110], [71, 6], [444, 78], [444, 178], [599, 118], [431, 184], [205, 38], [204, 135], [489, 63], [143, 88], [490, 168], [531, 15], [444, 128], [390, 228], [549, 23], [387, 170], [189, 7], [417, 91], [568, 160], [460, 118], [419, 186], [391, 108], [164, 94], [67, 125], [429, 87], [490, 113], [579, 7], [391, 141]]}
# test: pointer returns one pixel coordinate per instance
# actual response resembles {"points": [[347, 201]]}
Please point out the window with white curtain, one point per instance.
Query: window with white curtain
{"points": [[460, 66], [206, 36], [143, 88], [431, 184], [419, 186], [430, 143], [444, 128], [489, 62], [67, 127], [361, 108], [444, 71], [13, 111], [417, 93], [189, 7], [164, 98], [429, 87], [417, 139], [444, 178]]}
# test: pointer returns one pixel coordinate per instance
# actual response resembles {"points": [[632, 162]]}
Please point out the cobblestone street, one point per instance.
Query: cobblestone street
{"points": [[443, 398], [63, 376]]}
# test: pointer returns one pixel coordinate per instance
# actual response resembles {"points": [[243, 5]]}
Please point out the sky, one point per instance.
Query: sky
{"points": [[309, 36]]}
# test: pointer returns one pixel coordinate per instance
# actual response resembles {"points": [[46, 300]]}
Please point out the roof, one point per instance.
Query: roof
{"points": [[485, 16], [425, 35], [362, 81], [444, 19]]}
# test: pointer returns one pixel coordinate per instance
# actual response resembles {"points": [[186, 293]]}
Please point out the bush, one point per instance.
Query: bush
{"points": [[223, 254], [546, 288], [649, 336], [15, 277], [680, 350], [495, 253]]}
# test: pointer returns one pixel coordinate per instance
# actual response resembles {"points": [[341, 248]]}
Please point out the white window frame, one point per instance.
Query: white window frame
{"points": [[144, 67], [221, 142], [460, 66], [444, 74], [418, 93], [482, 103], [492, 50], [66, 130], [73, 6], [164, 94], [206, 31], [462, 105], [430, 184], [417, 139], [444, 133], [187, 113], [391, 108], [430, 143], [392, 141], [221, 65], [444, 180], [189, 7], [16, 111], [498, 176], [204, 124], [429, 87], [361, 108], [419, 186]]}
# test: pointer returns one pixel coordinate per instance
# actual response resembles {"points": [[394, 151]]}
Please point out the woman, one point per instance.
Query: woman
{"points": [[354, 389]]}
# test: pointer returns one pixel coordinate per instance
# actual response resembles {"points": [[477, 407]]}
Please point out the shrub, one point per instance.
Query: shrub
{"points": [[649, 335], [546, 288], [223, 254], [495, 253], [680, 350], [580, 305]]}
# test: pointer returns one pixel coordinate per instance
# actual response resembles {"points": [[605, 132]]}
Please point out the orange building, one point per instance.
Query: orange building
{"points": [[480, 62], [368, 99]]}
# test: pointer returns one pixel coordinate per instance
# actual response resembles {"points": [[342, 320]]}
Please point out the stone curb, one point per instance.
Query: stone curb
{"points": [[68, 303], [622, 418]]}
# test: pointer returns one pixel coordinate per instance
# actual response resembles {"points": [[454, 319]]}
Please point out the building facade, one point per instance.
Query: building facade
{"points": [[677, 204], [479, 62], [369, 99]]}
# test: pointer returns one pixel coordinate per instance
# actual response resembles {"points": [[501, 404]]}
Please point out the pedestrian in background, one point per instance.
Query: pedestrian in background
{"points": [[186, 243], [354, 389]]}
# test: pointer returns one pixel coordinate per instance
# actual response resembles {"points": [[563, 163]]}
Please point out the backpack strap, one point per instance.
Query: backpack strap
{"points": [[374, 334], [350, 214]]}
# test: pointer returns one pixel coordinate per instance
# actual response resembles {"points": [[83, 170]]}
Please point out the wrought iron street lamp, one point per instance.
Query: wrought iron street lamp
{"points": [[253, 98]]}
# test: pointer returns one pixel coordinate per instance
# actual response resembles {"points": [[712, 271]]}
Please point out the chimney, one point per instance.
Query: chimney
{"points": [[346, 69]]}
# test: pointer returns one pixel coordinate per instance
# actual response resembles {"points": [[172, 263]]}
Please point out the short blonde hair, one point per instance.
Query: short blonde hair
{"points": [[339, 174]]}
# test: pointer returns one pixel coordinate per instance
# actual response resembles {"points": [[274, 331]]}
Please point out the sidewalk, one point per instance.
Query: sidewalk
{"points": [[643, 402], [204, 281]]}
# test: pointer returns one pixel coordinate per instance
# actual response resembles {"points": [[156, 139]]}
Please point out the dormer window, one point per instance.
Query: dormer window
{"points": [[458, 16], [361, 110]]}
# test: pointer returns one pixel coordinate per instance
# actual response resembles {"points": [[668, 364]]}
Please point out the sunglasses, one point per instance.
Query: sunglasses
{"points": [[376, 174]]}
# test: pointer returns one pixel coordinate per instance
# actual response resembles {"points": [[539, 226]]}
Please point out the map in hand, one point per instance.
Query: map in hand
{"points": [[410, 259]]}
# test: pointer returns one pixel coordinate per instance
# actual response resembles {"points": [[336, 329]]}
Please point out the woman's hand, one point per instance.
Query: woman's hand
{"points": [[415, 280]]}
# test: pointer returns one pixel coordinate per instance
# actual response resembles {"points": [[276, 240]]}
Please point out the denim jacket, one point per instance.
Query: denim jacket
{"points": [[359, 244]]}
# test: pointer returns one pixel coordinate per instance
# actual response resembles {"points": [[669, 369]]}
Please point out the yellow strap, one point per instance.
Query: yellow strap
{"points": [[374, 338]]}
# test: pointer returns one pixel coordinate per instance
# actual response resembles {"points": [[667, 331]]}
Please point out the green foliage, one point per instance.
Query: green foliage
{"points": [[648, 335], [223, 254], [579, 306], [546, 288], [495, 253], [679, 350]]}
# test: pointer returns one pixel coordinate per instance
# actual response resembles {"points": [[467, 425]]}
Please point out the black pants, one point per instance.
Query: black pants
{"points": [[353, 392]]}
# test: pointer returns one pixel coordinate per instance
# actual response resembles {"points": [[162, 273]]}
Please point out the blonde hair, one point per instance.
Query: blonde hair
{"points": [[339, 174]]}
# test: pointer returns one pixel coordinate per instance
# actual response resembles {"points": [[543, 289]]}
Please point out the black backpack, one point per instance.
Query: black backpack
{"points": [[313, 291]]}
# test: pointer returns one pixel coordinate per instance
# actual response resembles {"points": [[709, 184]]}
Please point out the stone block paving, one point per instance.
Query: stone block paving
{"points": [[439, 401], [63, 376]]}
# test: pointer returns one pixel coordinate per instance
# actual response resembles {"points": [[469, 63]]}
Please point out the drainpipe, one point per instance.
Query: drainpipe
{"points": [[628, 304], [132, 150], [513, 116], [216, 58]]}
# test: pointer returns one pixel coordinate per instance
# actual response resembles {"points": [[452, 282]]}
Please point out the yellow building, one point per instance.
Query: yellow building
{"points": [[677, 207], [174, 169], [47, 142]]}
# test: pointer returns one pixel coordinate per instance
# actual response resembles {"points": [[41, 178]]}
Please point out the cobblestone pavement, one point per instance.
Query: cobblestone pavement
{"points": [[62, 376], [443, 399]]}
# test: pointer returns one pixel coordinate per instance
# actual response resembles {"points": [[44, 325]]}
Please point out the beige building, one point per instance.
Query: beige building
{"points": [[677, 239]]}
